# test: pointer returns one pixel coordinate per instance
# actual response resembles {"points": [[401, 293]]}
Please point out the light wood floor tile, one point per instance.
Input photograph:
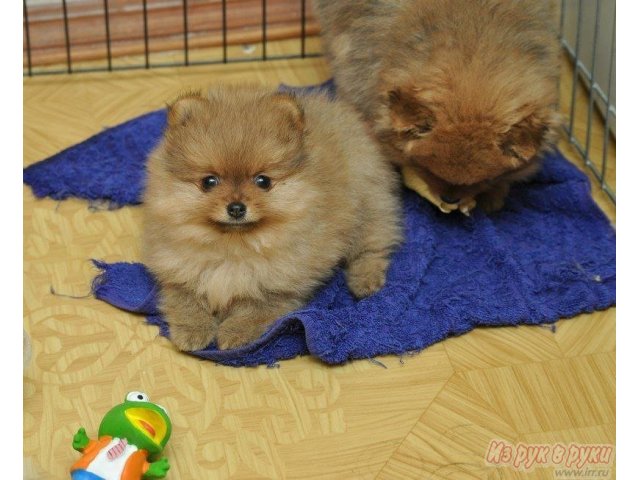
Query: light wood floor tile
{"points": [[552, 395], [450, 439], [495, 347], [586, 334]]}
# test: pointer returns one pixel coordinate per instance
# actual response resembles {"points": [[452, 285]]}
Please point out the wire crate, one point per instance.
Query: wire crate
{"points": [[75, 36], [588, 38]]}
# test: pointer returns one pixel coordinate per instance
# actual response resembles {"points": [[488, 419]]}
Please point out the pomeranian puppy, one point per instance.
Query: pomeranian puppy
{"points": [[464, 92], [253, 199]]}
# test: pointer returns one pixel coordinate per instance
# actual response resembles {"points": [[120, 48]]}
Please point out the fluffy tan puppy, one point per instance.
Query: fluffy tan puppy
{"points": [[253, 199], [463, 92]]}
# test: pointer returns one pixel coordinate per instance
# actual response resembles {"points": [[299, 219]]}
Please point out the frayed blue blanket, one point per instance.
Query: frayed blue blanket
{"points": [[549, 254]]}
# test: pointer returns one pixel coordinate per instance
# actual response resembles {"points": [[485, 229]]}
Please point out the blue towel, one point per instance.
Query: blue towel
{"points": [[549, 254]]}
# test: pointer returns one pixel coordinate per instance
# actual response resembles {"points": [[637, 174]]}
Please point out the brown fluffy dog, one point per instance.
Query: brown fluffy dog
{"points": [[253, 199], [463, 91]]}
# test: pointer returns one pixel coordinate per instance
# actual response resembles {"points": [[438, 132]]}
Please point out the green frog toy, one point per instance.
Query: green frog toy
{"points": [[129, 434]]}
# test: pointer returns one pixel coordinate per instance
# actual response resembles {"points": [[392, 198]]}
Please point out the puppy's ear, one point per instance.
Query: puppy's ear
{"points": [[184, 107], [531, 135], [291, 121], [408, 114], [293, 114]]}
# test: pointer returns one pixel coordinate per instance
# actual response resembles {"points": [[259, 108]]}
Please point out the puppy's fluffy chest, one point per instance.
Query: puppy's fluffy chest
{"points": [[229, 279], [247, 274]]}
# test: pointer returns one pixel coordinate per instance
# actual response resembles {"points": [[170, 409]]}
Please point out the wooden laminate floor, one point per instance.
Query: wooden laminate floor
{"points": [[431, 415]]}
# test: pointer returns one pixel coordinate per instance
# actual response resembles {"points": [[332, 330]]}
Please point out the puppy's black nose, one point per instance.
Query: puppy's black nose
{"points": [[236, 210], [449, 199]]}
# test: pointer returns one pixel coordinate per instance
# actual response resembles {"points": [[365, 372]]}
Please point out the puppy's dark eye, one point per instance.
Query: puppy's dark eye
{"points": [[262, 181], [209, 182]]}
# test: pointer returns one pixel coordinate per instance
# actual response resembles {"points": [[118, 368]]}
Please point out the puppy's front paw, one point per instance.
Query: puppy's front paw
{"points": [[365, 276], [189, 338], [234, 333], [447, 207], [466, 205]]}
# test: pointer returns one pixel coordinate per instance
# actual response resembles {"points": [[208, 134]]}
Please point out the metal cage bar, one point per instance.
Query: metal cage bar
{"points": [[592, 83], [574, 88], [107, 31], [605, 146], [145, 20], [67, 40], [225, 48], [264, 29], [303, 28], [27, 37], [185, 31]]}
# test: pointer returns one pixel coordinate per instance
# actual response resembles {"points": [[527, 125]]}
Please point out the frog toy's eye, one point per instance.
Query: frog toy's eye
{"points": [[137, 397]]}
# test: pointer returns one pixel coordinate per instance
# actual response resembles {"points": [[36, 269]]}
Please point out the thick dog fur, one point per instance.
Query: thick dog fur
{"points": [[464, 91], [332, 200]]}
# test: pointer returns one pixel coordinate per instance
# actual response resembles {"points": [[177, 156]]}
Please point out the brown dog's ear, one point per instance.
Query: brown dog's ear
{"points": [[293, 113], [290, 126], [408, 114], [528, 137], [182, 109]]}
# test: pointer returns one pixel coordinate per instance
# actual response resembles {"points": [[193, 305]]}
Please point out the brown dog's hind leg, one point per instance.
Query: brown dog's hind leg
{"points": [[247, 320]]}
